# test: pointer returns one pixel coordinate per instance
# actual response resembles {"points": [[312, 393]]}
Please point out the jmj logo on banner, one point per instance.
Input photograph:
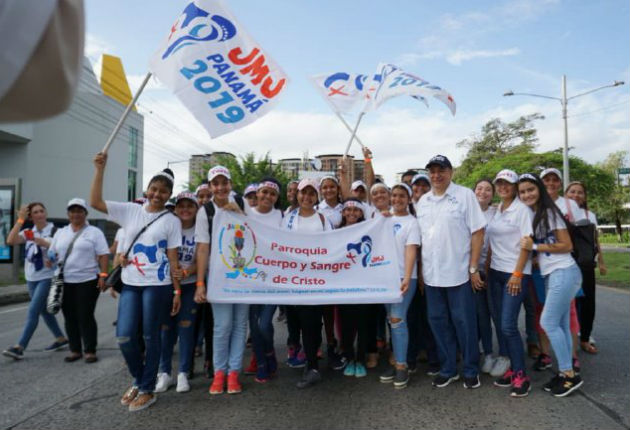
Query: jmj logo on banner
{"points": [[216, 69], [235, 255]]}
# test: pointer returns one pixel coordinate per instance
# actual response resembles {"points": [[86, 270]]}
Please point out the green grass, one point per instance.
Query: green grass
{"points": [[618, 265]]}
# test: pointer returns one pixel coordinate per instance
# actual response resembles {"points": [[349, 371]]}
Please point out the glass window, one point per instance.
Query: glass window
{"points": [[133, 147], [131, 185]]}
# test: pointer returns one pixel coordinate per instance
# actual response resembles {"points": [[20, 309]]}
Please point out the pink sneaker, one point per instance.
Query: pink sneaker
{"points": [[520, 385], [505, 380]]}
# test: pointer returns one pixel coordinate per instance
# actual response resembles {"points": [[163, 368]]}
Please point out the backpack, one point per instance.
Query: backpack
{"points": [[584, 238], [210, 211]]}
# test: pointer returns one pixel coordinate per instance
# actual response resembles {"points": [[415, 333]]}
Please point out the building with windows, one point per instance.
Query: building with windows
{"points": [[198, 164]]}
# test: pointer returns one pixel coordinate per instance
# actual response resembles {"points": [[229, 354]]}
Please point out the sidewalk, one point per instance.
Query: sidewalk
{"points": [[13, 294]]}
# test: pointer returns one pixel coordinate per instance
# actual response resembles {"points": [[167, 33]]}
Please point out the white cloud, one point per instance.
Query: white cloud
{"points": [[458, 57], [96, 46]]}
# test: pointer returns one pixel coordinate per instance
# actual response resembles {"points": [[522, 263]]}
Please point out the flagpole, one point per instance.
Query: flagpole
{"points": [[122, 119], [348, 127], [354, 132]]}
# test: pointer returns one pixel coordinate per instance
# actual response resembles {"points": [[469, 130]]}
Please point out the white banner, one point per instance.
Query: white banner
{"points": [[254, 263], [342, 90], [216, 69]]}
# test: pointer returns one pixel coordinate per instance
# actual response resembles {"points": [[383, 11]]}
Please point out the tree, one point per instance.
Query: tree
{"points": [[610, 206]]}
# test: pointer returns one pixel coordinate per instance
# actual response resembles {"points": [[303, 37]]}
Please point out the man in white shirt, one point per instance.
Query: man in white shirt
{"points": [[452, 228]]}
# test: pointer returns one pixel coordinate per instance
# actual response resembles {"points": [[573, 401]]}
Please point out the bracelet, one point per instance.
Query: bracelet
{"points": [[518, 275], [200, 284], [368, 160], [185, 273], [177, 292], [20, 221], [534, 247], [103, 275]]}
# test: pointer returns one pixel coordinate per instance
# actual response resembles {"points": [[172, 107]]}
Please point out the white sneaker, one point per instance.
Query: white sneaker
{"points": [[182, 383], [164, 381], [488, 363], [501, 365]]}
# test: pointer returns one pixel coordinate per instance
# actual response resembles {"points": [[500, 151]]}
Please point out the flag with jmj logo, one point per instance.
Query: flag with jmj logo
{"points": [[218, 71]]}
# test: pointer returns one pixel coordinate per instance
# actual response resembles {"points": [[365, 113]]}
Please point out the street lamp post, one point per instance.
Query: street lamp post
{"points": [[564, 100]]}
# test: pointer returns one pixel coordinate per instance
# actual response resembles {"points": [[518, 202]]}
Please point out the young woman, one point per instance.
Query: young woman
{"points": [[291, 196], [264, 363], [149, 291], [230, 319], [407, 238], [354, 318], [38, 276], [305, 218], [181, 326], [203, 194], [484, 191], [509, 276], [553, 245], [576, 191], [84, 274], [250, 195], [330, 206]]}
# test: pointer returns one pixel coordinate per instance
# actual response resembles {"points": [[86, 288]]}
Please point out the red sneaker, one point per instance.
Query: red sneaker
{"points": [[251, 369], [217, 383], [233, 385]]}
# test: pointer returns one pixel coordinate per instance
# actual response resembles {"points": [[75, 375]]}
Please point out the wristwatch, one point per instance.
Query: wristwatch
{"points": [[472, 270]]}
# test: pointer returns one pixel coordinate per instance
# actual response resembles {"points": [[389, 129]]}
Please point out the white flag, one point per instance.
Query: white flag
{"points": [[217, 69], [342, 90]]}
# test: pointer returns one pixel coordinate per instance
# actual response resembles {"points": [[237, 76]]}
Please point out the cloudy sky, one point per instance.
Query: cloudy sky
{"points": [[475, 50]]}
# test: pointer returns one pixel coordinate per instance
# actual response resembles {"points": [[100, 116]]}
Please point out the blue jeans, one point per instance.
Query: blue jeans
{"points": [[181, 325], [400, 332], [151, 306], [484, 326], [496, 287], [453, 319], [261, 328], [510, 308], [230, 333], [562, 286], [38, 290]]}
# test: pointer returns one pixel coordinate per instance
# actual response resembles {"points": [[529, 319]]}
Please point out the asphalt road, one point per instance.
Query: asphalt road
{"points": [[42, 391]]}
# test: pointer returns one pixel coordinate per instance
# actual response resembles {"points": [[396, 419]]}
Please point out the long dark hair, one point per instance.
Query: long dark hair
{"points": [[488, 180], [343, 218], [411, 208], [544, 207]]}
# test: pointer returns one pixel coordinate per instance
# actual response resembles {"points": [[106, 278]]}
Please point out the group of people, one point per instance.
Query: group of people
{"points": [[465, 265]]}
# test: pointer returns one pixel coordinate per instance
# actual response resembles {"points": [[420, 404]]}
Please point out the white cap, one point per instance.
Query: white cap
{"points": [[186, 195], [218, 171], [357, 184], [506, 175], [77, 202], [251, 188], [309, 182], [553, 170]]}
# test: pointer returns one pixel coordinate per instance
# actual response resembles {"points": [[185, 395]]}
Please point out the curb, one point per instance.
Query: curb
{"points": [[18, 294]]}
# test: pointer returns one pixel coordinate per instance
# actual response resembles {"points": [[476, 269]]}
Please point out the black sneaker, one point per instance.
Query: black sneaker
{"points": [[433, 370], [442, 381], [412, 368], [542, 362], [566, 385], [505, 380], [309, 378], [57, 345], [472, 382], [388, 376], [402, 378], [14, 352], [520, 385], [552, 383], [336, 362]]}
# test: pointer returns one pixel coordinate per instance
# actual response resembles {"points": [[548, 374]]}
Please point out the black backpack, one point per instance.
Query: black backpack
{"points": [[583, 236], [210, 211]]}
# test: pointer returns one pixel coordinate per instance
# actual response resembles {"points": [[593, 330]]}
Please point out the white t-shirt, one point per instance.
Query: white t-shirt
{"points": [[447, 223], [406, 232], [82, 264], [489, 214], [148, 262], [505, 231], [314, 223], [202, 229], [273, 218], [333, 214], [577, 213], [33, 254], [186, 253], [547, 261], [119, 238]]}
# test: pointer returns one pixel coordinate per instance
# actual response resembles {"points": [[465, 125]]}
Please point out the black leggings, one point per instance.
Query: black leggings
{"points": [[311, 322], [203, 321], [79, 302], [293, 326], [354, 320], [586, 304]]}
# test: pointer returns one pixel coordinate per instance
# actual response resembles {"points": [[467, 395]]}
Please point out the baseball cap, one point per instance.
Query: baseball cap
{"points": [[309, 182], [439, 160], [420, 177], [550, 170], [77, 202], [251, 188], [507, 175], [219, 171], [185, 195], [357, 184]]}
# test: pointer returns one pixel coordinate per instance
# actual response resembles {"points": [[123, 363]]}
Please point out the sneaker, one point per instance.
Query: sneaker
{"points": [[566, 385], [217, 383], [309, 378], [182, 383], [542, 362], [350, 369], [337, 362], [292, 352], [552, 383], [472, 382], [372, 360], [488, 363], [272, 364], [433, 370], [388, 376], [251, 369], [129, 396], [501, 365], [56, 345], [359, 370], [262, 375], [442, 381], [164, 381], [412, 368], [297, 360], [233, 384], [576, 365], [520, 385], [14, 352], [142, 401], [505, 380], [402, 378]]}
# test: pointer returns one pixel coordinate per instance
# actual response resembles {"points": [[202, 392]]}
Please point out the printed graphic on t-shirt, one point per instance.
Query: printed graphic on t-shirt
{"points": [[151, 253], [186, 250]]}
